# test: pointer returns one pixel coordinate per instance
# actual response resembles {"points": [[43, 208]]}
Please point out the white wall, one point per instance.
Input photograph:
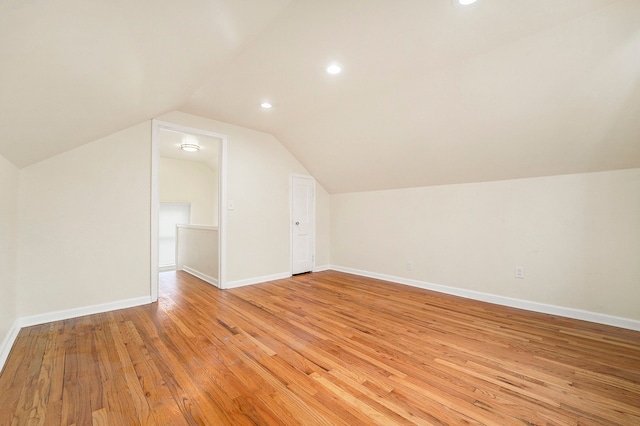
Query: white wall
{"points": [[258, 234], [323, 227], [84, 232], [193, 182], [84, 218], [577, 237], [8, 247], [197, 251]]}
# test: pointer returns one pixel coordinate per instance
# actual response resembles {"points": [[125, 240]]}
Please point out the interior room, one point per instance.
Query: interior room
{"points": [[188, 191], [400, 212]]}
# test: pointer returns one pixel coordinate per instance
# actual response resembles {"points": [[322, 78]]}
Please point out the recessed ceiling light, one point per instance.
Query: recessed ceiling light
{"points": [[334, 69], [266, 105]]}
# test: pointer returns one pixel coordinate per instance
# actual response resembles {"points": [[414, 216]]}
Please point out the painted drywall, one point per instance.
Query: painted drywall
{"points": [[323, 227], [192, 182], [197, 251], [8, 246], [258, 179], [577, 237], [84, 231]]}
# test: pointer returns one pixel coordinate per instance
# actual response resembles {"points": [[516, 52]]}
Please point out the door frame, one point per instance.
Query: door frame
{"points": [[156, 127], [292, 176]]}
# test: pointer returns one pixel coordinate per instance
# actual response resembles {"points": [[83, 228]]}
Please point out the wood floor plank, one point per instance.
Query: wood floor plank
{"points": [[320, 349], [53, 411]]}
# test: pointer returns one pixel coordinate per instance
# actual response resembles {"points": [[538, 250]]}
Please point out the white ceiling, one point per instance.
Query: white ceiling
{"points": [[430, 93], [170, 142]]}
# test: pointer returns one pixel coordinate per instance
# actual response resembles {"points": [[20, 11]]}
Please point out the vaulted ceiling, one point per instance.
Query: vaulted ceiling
{"points": [[430, 93]]}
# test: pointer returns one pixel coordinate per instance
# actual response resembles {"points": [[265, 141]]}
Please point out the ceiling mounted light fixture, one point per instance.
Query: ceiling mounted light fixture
{"points": [[463, 2], [266, 105], [334, 68], [190, 145]]}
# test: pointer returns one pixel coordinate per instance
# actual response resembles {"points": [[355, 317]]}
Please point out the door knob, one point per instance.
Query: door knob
{"points": [[297, 223]]}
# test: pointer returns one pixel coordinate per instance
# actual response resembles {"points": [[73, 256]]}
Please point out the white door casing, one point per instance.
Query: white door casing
{"points": [[303, 224], [156, 127]]}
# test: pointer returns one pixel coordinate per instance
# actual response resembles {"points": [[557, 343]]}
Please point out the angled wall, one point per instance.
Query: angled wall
{"points": [[577, 237], [84, 233]]}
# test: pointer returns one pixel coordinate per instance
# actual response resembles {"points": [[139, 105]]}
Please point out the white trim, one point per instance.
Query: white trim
{"points": [[166, 268], [203, 227], [7, 343], [19, 323], [258, 280], [204, 277], [562, 311], [222, 213], [157, 125], [322, 268], [82, 311], [155, 210]]}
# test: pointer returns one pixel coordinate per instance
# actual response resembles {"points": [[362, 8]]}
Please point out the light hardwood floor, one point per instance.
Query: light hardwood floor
{"points": [[325, 348]]}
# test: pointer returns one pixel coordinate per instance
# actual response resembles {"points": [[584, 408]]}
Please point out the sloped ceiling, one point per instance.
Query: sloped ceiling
{"points": [[72, 71], [430, 93]]}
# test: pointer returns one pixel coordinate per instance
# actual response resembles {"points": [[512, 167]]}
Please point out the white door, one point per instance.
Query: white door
{"points": [[303, 224]]}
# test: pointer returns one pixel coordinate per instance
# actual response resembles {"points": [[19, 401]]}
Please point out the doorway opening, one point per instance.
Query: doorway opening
{"points": [[196, 177], [171, 215]]}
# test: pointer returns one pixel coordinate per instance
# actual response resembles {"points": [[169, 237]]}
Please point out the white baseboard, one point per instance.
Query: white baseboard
{"points": [[203, 277], [321, 268], [85, 310], [562, 311], [10, 339], [257, 280], [166, 268], [7, 342]]}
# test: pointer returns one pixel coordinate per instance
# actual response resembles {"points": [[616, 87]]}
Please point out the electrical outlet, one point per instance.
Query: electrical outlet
{"points": [[519, 272], [409, 266]]}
